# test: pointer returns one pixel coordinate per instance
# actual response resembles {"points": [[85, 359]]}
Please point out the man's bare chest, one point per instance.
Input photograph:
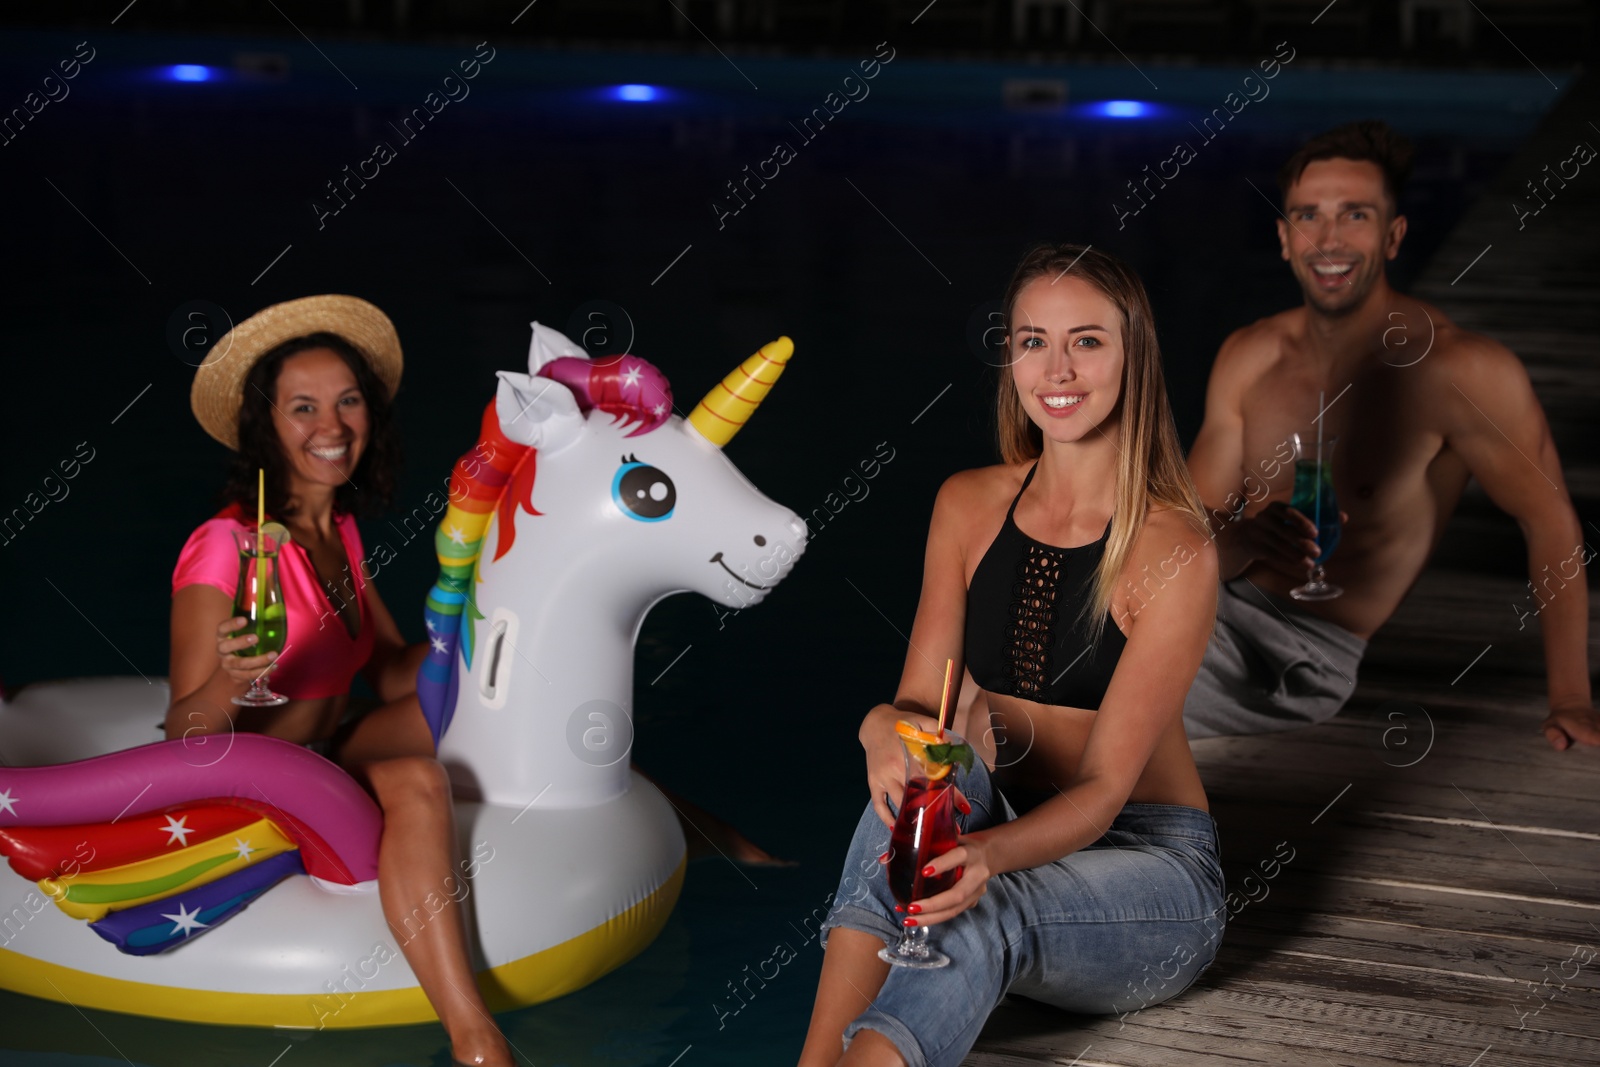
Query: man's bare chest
{"points": [[1377, 434]]}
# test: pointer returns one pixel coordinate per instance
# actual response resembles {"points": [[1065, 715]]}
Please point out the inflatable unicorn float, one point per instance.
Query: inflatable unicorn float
{"points": [[586, 500]]}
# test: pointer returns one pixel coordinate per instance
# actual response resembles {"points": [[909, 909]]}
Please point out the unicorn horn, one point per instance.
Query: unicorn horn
{"points": [[723, 411]]}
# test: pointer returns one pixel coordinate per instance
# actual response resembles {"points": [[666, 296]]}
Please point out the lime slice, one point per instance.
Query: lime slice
{"points": [[278, 532]]}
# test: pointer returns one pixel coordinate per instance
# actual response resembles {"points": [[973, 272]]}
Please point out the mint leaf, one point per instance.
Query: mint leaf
{"points": [[951, 753]]}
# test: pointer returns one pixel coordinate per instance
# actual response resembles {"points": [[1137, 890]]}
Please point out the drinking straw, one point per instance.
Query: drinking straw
{"points": [[944, 701], [261, 516], [1317, 508]]}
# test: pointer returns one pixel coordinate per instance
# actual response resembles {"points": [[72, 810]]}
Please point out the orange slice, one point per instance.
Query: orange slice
{"points": [[926, 737], [917, 742]]}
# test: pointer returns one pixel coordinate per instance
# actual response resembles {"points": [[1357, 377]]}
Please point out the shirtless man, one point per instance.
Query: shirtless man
{"points": [[1419, 405]]}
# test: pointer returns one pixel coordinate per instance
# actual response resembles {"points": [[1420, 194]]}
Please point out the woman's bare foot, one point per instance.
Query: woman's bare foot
{"points": [[488, 1048], [708, 835]]}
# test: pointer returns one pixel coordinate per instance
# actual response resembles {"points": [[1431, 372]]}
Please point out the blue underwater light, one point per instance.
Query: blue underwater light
{"points": [[637, 94], [1122, 109], [189, 72]]}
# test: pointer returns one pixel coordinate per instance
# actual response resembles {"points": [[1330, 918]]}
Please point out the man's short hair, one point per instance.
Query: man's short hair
{"points": [[1371, 140]]}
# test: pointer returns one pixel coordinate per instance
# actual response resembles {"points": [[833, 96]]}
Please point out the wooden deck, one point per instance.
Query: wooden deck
{"points": [[1442, 905]]}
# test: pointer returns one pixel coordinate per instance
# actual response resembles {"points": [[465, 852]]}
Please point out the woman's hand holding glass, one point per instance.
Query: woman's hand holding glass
{"points": [[886, 761], [886, 773], [241, 670], [972, 855]]}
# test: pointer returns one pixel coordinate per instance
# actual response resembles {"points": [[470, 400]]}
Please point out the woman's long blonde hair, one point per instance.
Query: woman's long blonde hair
{"points": [[1151, 471]]}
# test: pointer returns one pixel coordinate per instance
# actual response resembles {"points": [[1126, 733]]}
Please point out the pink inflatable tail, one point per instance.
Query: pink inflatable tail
{"points": [[333, 821]]}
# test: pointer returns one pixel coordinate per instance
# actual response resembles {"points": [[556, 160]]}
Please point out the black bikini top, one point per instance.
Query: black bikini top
{"points": [[1023, 638]]}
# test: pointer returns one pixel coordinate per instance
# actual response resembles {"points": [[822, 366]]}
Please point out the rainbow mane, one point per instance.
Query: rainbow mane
{"points": [[498, 474]]}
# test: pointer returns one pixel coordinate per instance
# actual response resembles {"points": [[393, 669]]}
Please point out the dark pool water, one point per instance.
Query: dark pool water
{"points": [[879, 247]]}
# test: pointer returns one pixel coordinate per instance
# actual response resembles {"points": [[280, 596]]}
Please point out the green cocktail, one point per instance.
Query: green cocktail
{"points": [[259, 599], [269, 627]]}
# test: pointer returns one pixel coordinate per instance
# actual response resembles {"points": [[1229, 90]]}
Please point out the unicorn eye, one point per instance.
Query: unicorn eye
{"points": [[643, 492]]}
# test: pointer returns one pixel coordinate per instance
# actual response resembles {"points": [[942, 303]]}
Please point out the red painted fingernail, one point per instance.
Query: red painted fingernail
{"points": [[915, 909], [927, 872], [899, 907], [884, 858], [908, 922]]}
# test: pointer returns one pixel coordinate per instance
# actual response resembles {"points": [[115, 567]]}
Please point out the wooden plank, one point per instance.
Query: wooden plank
{"points": [[1502, 967], [1482, 918], [1301, 797], [1501, 756], [1273, 1017], [1299, 793], [1457, 1008], [1463, 857]]}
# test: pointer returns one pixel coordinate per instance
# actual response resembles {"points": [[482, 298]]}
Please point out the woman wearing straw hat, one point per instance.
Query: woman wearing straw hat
{"points": [[302, 391]]}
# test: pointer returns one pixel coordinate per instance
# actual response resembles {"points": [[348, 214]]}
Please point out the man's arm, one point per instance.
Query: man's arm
{"points": [[1216, 461], [1278, 535], [1496, 425]]}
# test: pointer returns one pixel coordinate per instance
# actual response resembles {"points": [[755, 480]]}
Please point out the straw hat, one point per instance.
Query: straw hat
{"points": [[219, 383]]}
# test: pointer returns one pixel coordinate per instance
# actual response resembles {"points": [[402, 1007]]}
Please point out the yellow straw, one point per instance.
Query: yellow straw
{"points": [[944, 701], [261, 515], [261, 549]]}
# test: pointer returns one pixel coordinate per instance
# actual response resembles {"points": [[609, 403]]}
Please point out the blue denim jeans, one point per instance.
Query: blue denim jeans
{"points": [[1123, 923]]}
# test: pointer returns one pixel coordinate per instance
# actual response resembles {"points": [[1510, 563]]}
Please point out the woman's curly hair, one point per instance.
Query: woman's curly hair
{"points": [[370, 487]]}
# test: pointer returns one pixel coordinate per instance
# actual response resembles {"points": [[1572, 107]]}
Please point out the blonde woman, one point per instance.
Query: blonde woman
{"points": [[1076, 583]]}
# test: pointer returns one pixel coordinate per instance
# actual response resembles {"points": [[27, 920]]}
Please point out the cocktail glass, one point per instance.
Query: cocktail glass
{"points": [[260, 600], [1313, 498], [924, 830]]}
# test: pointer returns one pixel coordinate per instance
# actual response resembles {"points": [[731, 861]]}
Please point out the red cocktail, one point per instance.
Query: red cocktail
{"points": [[924, 830]]}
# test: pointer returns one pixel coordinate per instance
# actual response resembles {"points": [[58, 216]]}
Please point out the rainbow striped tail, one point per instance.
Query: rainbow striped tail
{"points": [[142, 884], [197, 851], [478, 484]]}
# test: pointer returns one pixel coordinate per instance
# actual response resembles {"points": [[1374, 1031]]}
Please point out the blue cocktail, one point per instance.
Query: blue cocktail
{"points": [[1314, 498]]}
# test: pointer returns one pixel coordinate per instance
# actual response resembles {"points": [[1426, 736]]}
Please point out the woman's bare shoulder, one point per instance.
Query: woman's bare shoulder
{"points": [[975, 495], [1173, 553], [1171, 521], [1172, 537], [980, 484]]}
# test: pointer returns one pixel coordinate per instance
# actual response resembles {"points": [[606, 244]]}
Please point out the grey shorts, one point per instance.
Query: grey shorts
{"points": [[1270, 666]]}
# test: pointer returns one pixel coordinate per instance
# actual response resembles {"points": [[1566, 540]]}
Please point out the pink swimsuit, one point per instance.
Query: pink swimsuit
{"points": [[320, 658]]}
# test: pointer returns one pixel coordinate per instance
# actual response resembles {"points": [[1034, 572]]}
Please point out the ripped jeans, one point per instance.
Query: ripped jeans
{"points": [[1125, 922]]}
